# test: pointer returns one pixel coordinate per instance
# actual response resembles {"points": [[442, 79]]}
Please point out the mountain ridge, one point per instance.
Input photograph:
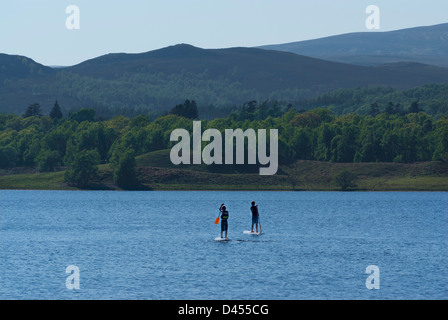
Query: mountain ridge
{"points": [[17, 66], [159, 79], [426, 44]]}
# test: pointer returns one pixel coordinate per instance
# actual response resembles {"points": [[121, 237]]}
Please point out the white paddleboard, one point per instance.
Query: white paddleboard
{"points": [[222, 239], [253, 233]]}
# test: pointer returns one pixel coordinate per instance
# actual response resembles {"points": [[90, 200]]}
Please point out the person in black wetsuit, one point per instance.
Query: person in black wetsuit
{"points": [[224, 218], [255, 215]]}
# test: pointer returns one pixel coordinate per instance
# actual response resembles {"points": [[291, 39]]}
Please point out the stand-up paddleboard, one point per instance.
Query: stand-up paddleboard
{"points": [[222, 239], [252, 232]]}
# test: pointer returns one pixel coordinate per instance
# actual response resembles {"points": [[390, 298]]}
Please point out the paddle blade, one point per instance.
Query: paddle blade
{"points": [[217, 221]]}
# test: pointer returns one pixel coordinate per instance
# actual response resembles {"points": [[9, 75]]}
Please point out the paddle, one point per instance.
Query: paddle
{"points": [[217, 219], [259, 222]]}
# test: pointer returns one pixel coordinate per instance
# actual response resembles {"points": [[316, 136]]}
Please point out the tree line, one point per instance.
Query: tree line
{"points": [[79, 142]]}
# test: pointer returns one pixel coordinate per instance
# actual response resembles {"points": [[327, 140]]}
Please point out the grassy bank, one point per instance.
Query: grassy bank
{"points": [[155, 171]]}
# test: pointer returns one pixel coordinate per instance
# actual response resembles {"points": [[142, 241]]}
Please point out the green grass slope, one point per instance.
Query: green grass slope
{"points": [[156, 172]]}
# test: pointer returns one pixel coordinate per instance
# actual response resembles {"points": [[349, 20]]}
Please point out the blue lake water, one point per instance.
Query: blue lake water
{"points": [[160, 245]]}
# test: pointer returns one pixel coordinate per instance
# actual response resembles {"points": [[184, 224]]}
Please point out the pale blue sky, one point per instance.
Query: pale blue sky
{"points": [[36, 28]]}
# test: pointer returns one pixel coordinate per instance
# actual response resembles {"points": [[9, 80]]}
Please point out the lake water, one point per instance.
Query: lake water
{"points": [[160, 245]]}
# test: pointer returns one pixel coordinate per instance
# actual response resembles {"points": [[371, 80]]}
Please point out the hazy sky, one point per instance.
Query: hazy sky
{"points": [[37, 28]]}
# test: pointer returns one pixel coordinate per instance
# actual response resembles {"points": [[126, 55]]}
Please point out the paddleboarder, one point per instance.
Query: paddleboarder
{"points": [[255, 216], [224, 218]]}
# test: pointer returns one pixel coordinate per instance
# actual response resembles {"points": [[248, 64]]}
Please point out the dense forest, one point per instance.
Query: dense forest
{"points": [[80, 142], [431, 98], [114, 98]]}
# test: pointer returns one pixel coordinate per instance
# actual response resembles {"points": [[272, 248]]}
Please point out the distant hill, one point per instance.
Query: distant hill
{"points": [[255, 69], [18, 67], [155, 81], [428, 45]]}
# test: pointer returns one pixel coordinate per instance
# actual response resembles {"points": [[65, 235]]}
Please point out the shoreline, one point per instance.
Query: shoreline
{"points": [[228, 190], [301, 176]]}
